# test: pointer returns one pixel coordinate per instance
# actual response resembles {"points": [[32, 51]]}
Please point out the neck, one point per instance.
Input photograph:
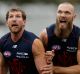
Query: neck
{"points": [[17, 36]]}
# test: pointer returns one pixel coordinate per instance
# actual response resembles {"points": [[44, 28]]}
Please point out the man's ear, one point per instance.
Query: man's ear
{"points": [[75, 15], [24, 21], [6, 23]]}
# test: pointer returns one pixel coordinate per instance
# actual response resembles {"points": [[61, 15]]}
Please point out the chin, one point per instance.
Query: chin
{"points": [[15, 32], [62, 27]]}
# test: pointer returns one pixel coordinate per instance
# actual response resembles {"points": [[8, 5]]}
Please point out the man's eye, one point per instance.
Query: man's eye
{"points": [[60, 12], [10, 16], [67, 12], [18, 16]]}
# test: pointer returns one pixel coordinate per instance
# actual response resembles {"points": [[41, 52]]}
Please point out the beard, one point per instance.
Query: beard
{"points": [[16, 31], [63, 29]]}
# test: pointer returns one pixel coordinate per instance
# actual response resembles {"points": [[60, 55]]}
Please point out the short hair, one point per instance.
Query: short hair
{"points": [[67, 3], [16, 9]]}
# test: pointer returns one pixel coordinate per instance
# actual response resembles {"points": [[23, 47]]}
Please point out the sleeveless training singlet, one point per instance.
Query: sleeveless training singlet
{"points": [[18, 55], [65, 49]]}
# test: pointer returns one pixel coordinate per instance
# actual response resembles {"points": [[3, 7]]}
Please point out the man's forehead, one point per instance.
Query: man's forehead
{"points": [[66, 7], [15, 12]]}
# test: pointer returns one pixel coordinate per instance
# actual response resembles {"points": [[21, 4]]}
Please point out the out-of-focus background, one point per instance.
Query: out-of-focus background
{"points": [[40, 13]]}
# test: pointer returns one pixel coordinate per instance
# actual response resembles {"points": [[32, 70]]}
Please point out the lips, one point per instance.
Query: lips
{"points": [[63, 21], [62, 24], [14, 25]]}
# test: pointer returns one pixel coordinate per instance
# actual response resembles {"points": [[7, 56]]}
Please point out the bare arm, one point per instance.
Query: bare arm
{"points": [[3, 69], [1, 64], [43, 37], [39, 56], [63, 70]]}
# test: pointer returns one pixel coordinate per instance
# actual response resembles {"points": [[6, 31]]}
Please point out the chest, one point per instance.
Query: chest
{"points": [[21, 50], [68, 44]]}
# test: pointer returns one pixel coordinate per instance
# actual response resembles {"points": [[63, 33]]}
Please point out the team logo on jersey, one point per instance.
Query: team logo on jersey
{"points": [[56, 47], [64, 40], [71, 49], [22, 55], [14, 46], [7, 53]]}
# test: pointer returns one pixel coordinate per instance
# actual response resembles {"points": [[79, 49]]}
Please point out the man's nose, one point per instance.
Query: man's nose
{"points": [[14, 19], [63, 14]]}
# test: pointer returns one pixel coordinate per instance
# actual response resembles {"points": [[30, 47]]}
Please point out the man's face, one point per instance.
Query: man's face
{"points": [[65, 16], [15, 21]]}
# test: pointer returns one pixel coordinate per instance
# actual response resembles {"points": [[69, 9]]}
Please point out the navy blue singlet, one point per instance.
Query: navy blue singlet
{"points": [[65, 49], [18, 55]]}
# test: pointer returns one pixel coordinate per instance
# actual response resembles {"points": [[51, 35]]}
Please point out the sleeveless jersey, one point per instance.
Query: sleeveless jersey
{"points": [[18, 55], [65, 49]]}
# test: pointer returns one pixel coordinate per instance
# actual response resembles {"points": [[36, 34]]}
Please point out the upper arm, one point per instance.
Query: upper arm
{"points": [[78, 52], [43, 36], [38, 54], [1, 59], [3, 67]]}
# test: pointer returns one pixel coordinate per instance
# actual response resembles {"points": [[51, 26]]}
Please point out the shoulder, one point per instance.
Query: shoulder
{"points": [[51, 28], [44, 34], [4, 38], [76, 30], [37, 47], [29, 36], [37, 42]]}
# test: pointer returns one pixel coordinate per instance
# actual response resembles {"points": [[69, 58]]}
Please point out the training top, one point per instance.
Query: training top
{"points": [[65, 49], [18, 55]]}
